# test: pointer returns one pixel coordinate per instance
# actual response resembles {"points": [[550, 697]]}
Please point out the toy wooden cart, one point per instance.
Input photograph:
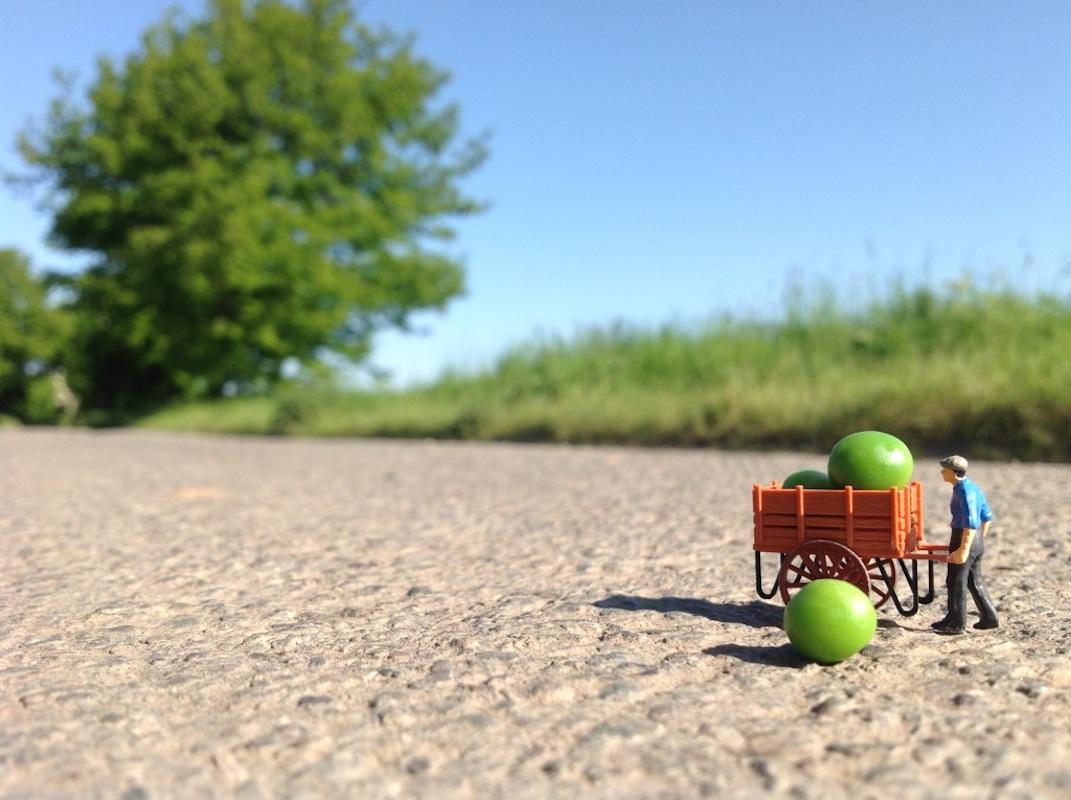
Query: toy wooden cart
{"points": [[860, 536]]}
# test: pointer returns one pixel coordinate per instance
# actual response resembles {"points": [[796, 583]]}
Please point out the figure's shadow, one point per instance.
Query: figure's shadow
{"points": [[754, 614]]}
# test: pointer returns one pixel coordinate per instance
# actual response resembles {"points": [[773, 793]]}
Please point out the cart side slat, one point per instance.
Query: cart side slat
{"points": [[756, 503], [865, 502], [873, 523], [801, 518], [791, 533], [849, 511], [831, 521], [838, 523], [917, 516]]}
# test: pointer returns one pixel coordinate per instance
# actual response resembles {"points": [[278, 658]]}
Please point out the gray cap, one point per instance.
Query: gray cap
{"points": [[955, 463]]}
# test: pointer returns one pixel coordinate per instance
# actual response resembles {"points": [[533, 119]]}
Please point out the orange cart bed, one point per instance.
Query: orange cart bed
{"points": [[860, 536]]}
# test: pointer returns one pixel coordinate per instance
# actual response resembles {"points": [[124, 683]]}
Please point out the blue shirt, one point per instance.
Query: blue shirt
{"points": [[969, 508]]}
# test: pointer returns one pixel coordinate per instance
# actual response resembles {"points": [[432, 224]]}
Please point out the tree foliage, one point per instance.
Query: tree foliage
{"points": [[31, 333], [269, 182]]}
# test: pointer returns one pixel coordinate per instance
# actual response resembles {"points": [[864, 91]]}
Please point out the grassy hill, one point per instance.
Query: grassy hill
{"points": [[986, 371]]}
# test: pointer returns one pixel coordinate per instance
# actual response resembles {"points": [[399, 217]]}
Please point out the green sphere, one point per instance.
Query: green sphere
{"points": [[808, 479], [830, 620], [870, 460]]}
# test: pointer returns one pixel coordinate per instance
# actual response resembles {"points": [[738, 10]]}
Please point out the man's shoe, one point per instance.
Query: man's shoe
{"points": [[986, 625], [946, 626], [949, 631]]}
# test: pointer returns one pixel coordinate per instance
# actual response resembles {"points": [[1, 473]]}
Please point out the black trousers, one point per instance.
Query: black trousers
{"points": [[964, 577]]}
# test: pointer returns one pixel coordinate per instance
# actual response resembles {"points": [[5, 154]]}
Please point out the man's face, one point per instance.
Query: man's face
{"points": [[947, 475]]}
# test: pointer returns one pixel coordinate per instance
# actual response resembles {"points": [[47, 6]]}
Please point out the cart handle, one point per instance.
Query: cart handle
{"points": [[920, 556]]}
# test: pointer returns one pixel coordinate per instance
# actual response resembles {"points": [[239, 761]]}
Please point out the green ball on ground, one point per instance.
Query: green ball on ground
{"points": [[808, 479], [830, 620], [870, 460]]}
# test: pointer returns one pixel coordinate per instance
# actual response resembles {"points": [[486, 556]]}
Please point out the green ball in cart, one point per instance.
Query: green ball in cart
{"points": [[808, 479], [870, 460]]}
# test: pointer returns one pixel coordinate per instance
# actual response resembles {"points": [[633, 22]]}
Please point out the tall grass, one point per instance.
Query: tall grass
{"points": [[986, 370]]}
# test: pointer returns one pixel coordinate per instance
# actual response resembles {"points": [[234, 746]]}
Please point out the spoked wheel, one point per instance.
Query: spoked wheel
{"points": [[881, 590], [821, 559]]}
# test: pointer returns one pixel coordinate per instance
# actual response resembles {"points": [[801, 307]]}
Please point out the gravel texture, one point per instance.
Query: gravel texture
{"points": [[187, 616]]}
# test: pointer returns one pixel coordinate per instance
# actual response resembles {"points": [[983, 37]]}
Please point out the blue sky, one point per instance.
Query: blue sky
{"points": [[670, 161]]}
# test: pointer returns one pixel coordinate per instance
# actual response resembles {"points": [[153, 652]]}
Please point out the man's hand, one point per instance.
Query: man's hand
{"points": [[959, 556]]}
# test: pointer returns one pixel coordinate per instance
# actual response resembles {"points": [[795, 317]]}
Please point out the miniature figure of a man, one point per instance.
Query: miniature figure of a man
{"points": [[970, 522]]}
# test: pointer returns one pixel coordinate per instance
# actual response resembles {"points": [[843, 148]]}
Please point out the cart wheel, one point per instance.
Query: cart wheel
{"points": [[878, 587], [821, 559]]}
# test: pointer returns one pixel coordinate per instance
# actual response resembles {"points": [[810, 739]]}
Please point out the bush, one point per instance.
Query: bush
{"points": [[32, 334], [41, 406]]}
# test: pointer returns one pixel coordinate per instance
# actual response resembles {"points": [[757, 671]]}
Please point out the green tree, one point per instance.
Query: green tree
{"points": [[270, 182], [31, 333]]}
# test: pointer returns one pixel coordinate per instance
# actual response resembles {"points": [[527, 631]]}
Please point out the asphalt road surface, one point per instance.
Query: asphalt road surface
{"points": [[188, 616]]}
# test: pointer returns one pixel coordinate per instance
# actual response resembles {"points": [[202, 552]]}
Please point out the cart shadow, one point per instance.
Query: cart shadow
{"points": [[754, 614], [784, 655]]}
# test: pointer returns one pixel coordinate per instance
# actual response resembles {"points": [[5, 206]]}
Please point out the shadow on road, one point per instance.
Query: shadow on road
{"points": [[784, 655], [754, 614]]}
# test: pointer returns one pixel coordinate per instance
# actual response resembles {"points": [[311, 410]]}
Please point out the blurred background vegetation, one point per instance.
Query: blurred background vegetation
{"points": [[265, 188], [975, 369], [261, 190]]}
